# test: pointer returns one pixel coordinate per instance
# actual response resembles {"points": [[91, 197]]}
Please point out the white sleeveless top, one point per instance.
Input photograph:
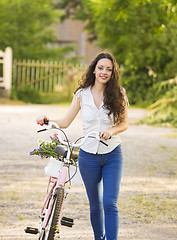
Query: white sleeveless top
{"points": [[94, 119]]}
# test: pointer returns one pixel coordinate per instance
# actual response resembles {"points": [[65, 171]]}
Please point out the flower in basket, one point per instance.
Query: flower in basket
{"points": [[46, 149]]}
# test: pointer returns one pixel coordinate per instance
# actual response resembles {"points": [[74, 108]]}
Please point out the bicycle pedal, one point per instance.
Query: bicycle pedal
{"points": [[31, 230], [68, 219], [68, 222]]}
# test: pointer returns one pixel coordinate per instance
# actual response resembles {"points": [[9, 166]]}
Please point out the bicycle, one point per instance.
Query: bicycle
{"points": [[51, 213]]}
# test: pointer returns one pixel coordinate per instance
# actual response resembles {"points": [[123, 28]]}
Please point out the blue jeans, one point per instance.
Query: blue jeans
{"points": [[107, 167]]}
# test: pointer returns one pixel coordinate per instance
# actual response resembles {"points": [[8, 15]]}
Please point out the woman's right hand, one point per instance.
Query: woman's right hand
{"points": [[40, 120]]}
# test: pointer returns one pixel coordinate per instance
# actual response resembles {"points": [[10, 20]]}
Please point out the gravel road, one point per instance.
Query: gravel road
{"points": [[148, 196]]}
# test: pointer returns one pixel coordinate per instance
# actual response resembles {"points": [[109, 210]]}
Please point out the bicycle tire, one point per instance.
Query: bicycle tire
{"points": [[54, 216]]}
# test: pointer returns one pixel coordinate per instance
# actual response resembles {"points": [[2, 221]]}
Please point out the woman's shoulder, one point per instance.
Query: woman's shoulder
{"points": [[125, 95], [122, 90], [80, 91], [78, 94]]}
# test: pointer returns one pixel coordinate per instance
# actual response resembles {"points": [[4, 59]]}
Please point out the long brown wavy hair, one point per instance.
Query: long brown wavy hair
{"points": [[113, 92]]}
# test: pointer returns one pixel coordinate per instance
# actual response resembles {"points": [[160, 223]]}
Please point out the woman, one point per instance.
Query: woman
{"points": [[103, 106]]}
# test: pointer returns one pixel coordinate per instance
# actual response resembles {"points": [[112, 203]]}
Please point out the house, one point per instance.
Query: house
{"points": [[72, 32]]}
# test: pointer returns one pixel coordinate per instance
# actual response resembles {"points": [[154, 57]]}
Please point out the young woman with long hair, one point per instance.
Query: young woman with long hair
{"points": [[103, 106]]}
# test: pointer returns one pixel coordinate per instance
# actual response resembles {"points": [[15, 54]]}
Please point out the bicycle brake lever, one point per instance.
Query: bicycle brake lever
{"points": [[42, 130], [104, 143], [99, 139]]}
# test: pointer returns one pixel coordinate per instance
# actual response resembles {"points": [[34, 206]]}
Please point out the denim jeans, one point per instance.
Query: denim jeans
{"points": [[107, 169]]}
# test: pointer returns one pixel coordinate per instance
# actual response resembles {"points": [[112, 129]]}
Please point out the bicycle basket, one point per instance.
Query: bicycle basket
{"points": [[53, 167]]}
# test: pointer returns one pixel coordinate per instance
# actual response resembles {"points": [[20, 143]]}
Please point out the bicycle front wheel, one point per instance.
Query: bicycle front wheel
{"points": [[51, 228]]}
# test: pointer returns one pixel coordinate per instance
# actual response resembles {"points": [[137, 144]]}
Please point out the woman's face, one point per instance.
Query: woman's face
{"points": [[103, 70]]}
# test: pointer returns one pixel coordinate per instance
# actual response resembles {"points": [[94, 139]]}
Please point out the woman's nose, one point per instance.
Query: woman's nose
{"points": [[104, 70]]}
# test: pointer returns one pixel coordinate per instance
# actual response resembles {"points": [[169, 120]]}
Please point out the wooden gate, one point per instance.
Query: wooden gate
{"points": [[45, 76]]}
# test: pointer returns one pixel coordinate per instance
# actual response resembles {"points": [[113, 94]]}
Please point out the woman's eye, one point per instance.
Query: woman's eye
{"points": [[109, 70]]}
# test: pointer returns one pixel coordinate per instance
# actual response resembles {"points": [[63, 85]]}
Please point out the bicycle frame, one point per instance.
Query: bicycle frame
{"points": [[57, 183], [51, 213]]}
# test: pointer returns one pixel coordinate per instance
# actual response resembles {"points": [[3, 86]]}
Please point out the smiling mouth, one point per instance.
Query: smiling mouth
{"points": [[104, 77]]}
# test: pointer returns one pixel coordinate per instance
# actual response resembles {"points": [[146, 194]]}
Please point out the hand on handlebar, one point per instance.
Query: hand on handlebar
{"points": [[106, 134], [42, 120]]}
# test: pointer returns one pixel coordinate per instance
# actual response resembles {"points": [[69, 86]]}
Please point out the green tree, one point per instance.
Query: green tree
{"points": [[25, 26], [141, 34]]}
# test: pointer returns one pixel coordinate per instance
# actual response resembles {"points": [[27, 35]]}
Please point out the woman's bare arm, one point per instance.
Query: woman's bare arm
{"points": [[66, 120]]}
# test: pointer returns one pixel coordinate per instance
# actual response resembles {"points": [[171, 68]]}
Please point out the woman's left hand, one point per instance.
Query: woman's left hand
{"points": [[106, 134]]}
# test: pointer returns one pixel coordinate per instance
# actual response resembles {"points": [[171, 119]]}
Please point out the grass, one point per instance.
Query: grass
{"points": [[159, 207], [19, 202], [163, 147], [149, 208], [12, 195], [33, 96], [150, 168], [13, 102], [21, 217], [173, 135], [8, 101]]}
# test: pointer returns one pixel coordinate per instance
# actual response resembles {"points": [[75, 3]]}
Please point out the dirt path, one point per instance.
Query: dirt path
{"points": [[148, 196]]}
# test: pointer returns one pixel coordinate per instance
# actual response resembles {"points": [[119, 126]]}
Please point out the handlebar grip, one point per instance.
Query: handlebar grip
{"points": [[46, 121]]}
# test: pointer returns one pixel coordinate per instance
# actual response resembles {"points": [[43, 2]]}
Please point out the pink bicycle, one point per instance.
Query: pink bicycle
{"points": [[59, 171]]}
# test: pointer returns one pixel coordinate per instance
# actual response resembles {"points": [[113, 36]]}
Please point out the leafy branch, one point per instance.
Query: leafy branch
{"points": [[46, 150]]}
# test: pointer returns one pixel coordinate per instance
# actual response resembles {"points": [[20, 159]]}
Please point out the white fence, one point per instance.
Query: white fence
{"points": [[5, 72]]}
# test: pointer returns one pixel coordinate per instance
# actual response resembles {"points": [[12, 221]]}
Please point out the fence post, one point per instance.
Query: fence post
{"points": [[7, 73]]}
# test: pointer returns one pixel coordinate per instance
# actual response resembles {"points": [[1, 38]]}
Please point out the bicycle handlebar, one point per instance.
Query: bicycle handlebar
{"points": [[51, 124]]}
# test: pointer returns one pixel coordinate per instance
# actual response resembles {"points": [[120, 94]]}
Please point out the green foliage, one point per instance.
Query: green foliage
{"points": [[26, 95], [29, 95], [141, 34], [46, 150], [56, 97], [25, 26], [164, 111]]}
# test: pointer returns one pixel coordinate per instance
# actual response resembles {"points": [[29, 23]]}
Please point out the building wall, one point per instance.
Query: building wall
{"points": [[72, 31]]}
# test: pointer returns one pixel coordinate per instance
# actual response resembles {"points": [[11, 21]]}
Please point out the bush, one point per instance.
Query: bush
{"points": [[27, 95], [164, 111]]}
